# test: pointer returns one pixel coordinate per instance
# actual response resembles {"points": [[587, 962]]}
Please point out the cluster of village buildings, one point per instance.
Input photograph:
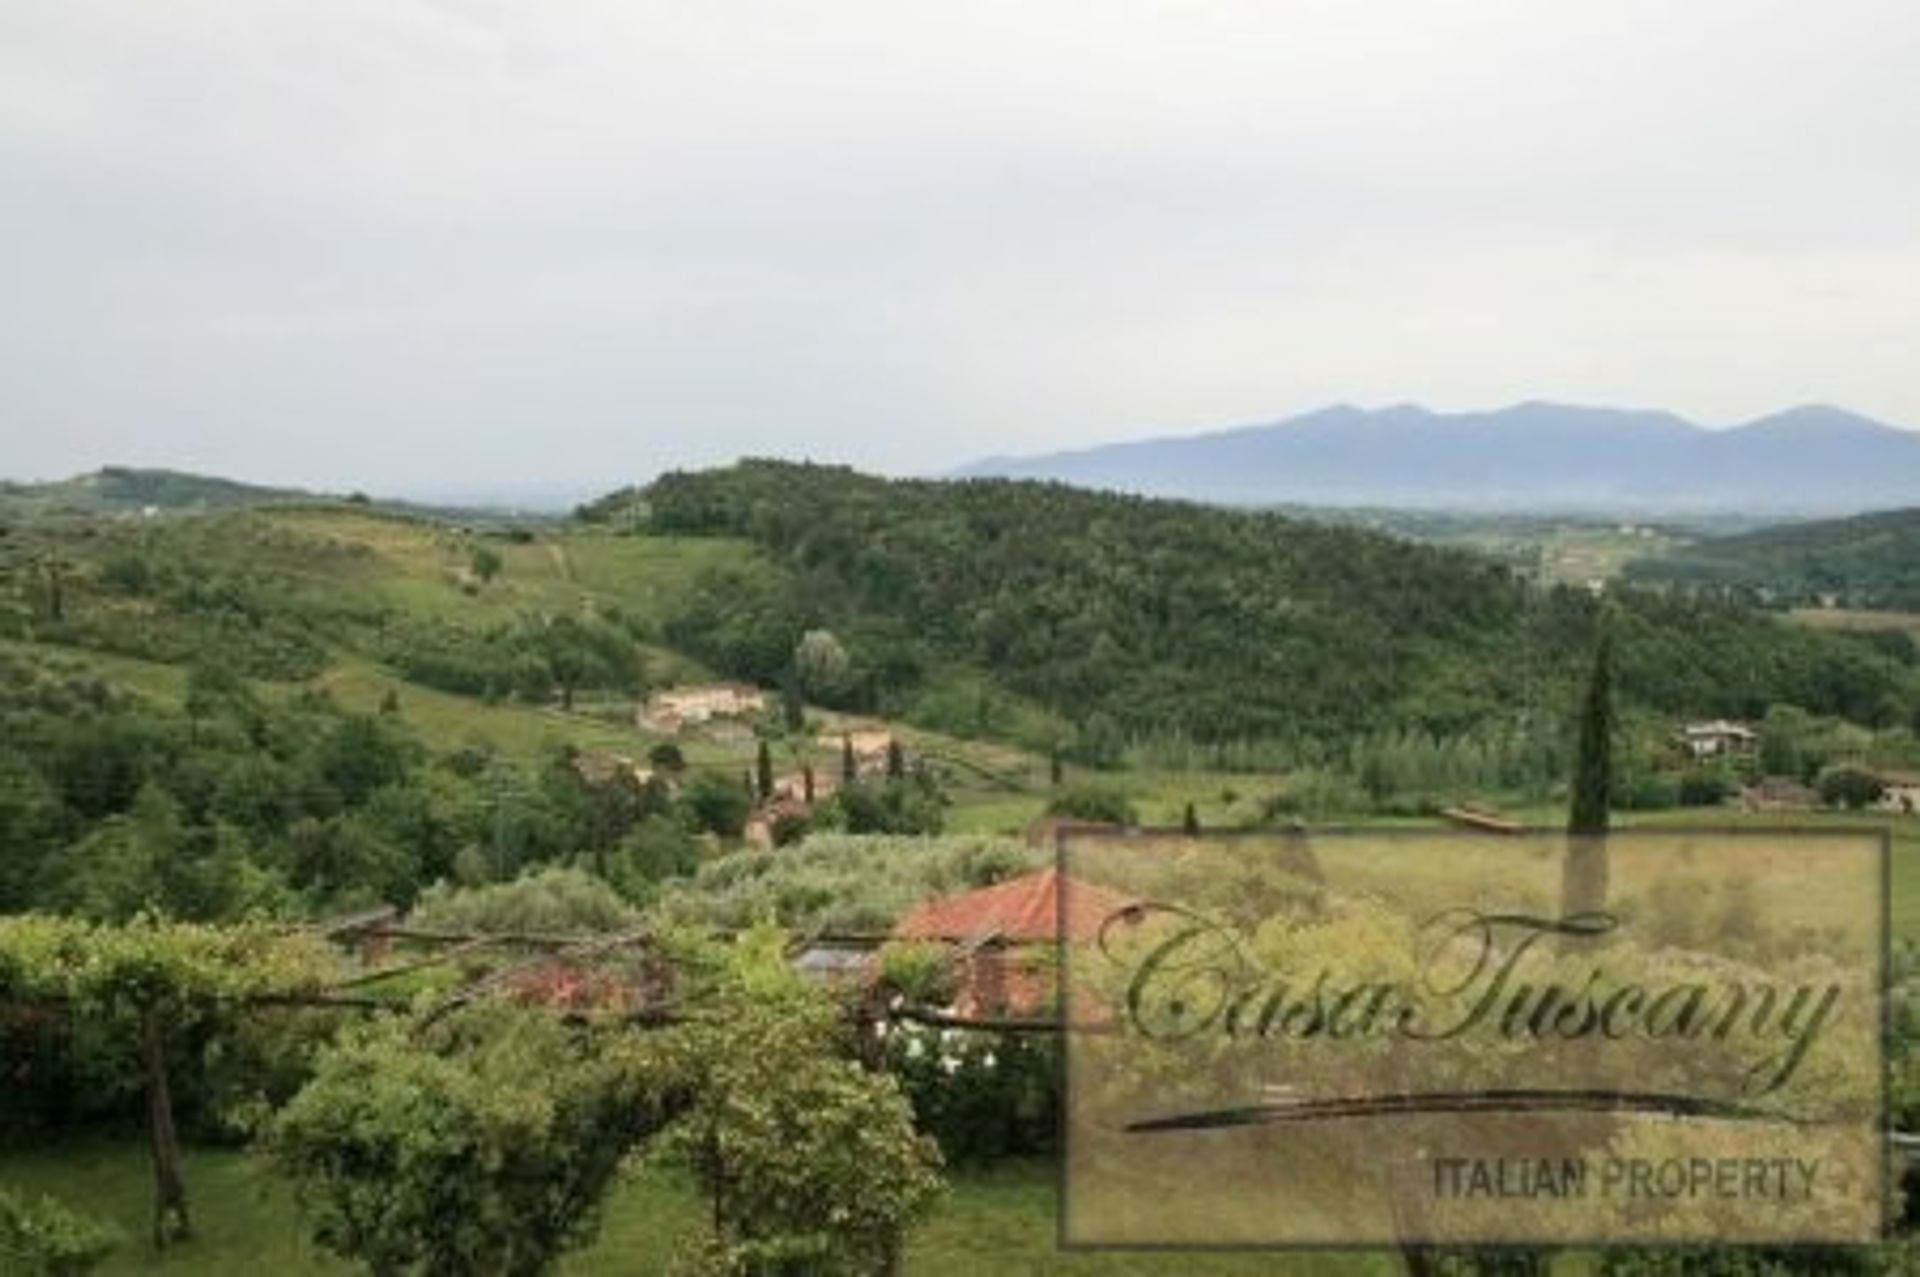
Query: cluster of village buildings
{"points": [[1722, 739], [794, 793]]}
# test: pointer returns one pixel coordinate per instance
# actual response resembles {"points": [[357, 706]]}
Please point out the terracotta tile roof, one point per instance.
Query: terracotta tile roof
{"points": [[1020, 909]]}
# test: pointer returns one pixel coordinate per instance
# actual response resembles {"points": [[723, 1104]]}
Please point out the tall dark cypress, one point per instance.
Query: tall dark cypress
{"points": [[793, 711], [1593, 756], [763, 772], [849, 767], [1583, 882]]}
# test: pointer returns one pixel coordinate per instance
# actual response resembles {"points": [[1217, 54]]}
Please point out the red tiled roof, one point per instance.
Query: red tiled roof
{"points": [[1019, 909]]}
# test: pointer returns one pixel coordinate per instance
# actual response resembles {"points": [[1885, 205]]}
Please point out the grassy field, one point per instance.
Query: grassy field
{"points": [[1826, 618], [246, 1219]]}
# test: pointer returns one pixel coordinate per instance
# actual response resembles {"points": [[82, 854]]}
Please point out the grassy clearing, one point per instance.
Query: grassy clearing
{"points": [[424, 568], [992, 1221], [446, 721], [1821, 618], [156, 679]]}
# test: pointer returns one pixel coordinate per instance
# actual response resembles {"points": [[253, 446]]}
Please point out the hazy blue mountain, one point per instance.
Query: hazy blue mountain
{"points": [[1531, 456]]}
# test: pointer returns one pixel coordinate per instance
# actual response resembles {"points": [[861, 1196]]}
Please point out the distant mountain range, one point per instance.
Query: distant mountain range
{"points": [[1534, 456]]}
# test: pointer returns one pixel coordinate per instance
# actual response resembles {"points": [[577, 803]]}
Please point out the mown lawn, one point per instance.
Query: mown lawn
{"points": [[990, 1221]]}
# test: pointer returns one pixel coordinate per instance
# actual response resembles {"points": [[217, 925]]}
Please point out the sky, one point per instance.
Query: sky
{"points": [[457, 246]]}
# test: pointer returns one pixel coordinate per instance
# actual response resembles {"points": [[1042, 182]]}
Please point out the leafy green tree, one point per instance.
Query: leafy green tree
{"points": [[810, 1163], [483, 1146], [1850, 787], [30, 819], [822, 665], [139, 992], [1099, 742], [360, 754], [654, 850], [127, 864], [486, 563], [717, 804], [911, 806]]}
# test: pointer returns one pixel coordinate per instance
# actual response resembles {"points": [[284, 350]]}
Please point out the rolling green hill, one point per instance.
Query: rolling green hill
{"points": [[1140, 616], [1869, 562], [131, 490], [134, 490]]}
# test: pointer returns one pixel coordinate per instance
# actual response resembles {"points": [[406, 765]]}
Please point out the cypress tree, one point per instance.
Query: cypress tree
{"points": [[896, 760], [1583, 883], [1593, 753], [1190, 820], [763, 771], [792, 709], [849, 768]]}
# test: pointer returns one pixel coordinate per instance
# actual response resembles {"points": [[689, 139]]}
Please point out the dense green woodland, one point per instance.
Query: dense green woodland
{"points": [[237, 802], [1139, 617], [1869, 561]]}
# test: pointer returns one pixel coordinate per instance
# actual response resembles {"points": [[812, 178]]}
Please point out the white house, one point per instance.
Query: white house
{"points": [[1718, 738]]}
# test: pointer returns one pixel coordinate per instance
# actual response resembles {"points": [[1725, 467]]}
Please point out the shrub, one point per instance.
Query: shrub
{"points": [[982, 1096], [1850, 787], [42, 1238], [917, 970], [553, 900], [483, 1147], [810, 1162], [1098, 803]]}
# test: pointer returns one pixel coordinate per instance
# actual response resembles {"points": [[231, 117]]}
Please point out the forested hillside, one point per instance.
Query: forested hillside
{"points": [[1133, 615], [1870, 561]]}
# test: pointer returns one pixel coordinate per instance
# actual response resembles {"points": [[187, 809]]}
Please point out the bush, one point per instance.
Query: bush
{"points": [[1096, 803], [919, 971], [842, 882], [718, 804], [810, 1162], [42, 1238], [908, 806], [1850, 787], [1704, 789], [552, 900], [485, 1147], [982, 1096]]}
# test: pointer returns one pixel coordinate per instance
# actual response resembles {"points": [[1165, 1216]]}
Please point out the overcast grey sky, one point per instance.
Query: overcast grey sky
{"points": [[465, 244]]}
